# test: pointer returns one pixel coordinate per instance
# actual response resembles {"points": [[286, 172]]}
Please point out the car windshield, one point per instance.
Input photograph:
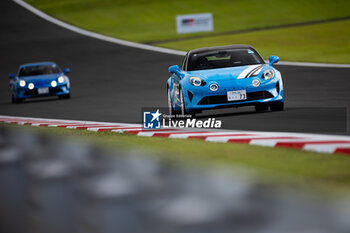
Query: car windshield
{"points": [[39, 70], [222, 59]]}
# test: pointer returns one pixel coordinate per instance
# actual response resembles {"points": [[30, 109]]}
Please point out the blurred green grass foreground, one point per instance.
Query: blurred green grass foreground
{"points": [[153, 21], [327, 174]]}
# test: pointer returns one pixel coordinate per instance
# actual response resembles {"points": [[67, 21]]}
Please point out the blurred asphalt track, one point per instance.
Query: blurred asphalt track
{"points": [[112, 82]]}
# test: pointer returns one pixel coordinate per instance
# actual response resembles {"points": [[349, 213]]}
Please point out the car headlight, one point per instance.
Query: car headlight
{"points": [[53, 83], [61, 79], [197, 81], [22, 83], [31, 86], [268, 74]]}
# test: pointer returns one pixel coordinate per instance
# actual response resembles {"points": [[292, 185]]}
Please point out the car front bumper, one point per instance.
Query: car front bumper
{"points": [[200, 98], [61, 89]]}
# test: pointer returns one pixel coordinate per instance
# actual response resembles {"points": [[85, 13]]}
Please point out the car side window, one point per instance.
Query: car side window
{"points": [[184, 63]]}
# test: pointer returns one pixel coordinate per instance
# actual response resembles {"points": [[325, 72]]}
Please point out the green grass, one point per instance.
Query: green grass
{"points": [[282, 165], [327, 42], [145, 20]]}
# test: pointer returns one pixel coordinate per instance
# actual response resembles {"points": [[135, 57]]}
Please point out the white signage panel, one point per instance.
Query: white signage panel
{"points": [[194, 23]]}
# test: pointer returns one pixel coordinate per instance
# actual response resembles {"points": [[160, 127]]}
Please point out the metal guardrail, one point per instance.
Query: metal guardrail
{"points": [[50, 185]]}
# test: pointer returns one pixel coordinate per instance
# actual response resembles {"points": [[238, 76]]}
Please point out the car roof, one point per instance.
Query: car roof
{"points": [[38, 64], [226, 47]]}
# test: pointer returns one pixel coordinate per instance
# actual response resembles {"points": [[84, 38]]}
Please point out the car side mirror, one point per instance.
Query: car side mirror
{"points": [[273, 60], [176, 70], [12, 76], [66, 71]]}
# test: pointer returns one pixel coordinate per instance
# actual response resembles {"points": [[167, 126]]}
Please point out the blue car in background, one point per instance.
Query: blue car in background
{"points": [[39, 79], [224, 76]]}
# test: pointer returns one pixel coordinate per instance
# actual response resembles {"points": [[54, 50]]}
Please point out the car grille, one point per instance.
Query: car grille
{"points": [[55, 89], [30, 92], [52, 90], [222, 99]]}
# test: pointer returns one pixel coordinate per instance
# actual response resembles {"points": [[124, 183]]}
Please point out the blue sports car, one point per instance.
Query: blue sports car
{"points": [[39, 79], [224, 76]]}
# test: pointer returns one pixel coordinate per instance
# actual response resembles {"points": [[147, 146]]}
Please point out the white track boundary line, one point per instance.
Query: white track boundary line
{"points": [[96, 35], [144, 46]]}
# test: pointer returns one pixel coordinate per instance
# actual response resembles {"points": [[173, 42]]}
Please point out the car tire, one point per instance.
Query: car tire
{"points": [[170, 104], [261, 107], [16, 100], [184, 111], [277, 106], [66, 96]]}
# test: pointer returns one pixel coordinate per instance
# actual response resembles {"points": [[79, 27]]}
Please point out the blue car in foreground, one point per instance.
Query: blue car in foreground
{"points": [[39, 79], [224, 76]]}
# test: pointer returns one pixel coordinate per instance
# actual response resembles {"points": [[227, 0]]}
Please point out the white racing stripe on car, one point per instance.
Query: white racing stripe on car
{"points": [[247, 71]]}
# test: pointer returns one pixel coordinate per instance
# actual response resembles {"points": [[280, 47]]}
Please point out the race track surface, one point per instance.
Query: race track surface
{"points": [[112, 82]]}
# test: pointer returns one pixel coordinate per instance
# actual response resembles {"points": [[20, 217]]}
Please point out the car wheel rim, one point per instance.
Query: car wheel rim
{"points": [[169, 103]]}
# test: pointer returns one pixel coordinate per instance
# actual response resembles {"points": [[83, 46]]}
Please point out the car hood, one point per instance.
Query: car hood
{"points": [[47, 78], [223, 74]]}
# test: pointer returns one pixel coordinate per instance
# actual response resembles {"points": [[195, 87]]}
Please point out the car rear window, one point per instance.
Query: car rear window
{"points": [[39, 70], [222, 59]]}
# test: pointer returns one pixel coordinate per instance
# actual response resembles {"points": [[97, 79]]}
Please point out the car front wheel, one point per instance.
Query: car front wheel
{"points": [[261, 107], [66, 96], [15, 99], [184, 111], [170, 104], [277, 106]]}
